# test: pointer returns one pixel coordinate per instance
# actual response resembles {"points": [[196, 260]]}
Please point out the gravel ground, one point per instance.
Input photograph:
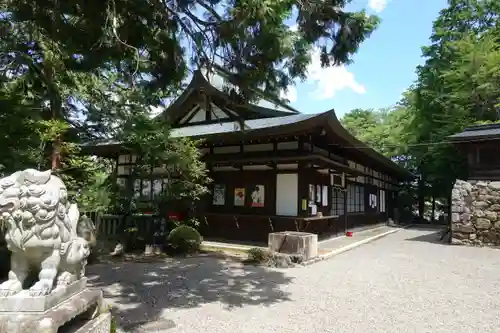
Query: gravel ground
{"points": [[405, 282]]}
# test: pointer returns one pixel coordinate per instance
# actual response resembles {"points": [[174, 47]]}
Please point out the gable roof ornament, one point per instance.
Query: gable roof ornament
{"points": [[199, 83]]}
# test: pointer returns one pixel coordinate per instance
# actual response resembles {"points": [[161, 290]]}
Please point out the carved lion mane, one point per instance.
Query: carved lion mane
{"points": [[41, 232], [34, 205]]}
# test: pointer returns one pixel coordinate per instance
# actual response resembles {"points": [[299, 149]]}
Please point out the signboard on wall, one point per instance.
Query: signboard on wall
{"points": [[219, 198], [312, 193], [258, 196], [372, 201], [324, 196], [239, 196]]}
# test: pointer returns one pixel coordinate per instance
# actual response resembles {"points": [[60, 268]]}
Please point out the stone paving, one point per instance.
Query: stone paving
{"points": [[404, 282], [358, 236]]}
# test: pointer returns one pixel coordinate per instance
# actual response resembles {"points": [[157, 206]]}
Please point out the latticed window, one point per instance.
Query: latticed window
{"points": [[383, 203], [489, 155], [337, 201], [355, 198]]}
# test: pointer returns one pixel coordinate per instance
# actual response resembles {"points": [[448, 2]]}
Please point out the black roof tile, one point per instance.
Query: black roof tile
{"points": [[225, 127], [491, 131], [228, 127]]}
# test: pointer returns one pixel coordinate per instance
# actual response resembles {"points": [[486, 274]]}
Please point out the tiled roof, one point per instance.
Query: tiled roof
{"points": [[477, 132], [228, 127], [270, 123]]}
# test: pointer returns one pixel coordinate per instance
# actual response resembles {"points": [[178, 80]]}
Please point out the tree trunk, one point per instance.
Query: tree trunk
{"points": [[55, 155], [421, 198], [55, 114], [433, 209]]}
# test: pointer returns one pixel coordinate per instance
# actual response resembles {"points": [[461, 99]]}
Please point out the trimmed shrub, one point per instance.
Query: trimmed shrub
{"points": [[264, 257], [279, 260], [184, 239], [258, 255]]}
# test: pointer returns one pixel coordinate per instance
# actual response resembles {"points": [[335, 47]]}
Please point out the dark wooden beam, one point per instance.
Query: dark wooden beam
{"points": [[279, 156], [193, 111]]}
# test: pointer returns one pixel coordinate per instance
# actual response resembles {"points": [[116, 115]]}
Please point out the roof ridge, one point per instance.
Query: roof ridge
{"points": [[225, 74]]}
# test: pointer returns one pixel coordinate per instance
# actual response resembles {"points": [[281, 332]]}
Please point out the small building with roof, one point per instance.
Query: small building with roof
{"points": [[475, 218], [273, 168], [481, 145]]}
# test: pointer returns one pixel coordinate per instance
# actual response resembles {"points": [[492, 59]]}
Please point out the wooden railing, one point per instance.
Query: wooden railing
{"points": [[111, 225]]}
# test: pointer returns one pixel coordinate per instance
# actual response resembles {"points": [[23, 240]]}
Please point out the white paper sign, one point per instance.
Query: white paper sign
{"points": [[314, 210], [324, 196]]}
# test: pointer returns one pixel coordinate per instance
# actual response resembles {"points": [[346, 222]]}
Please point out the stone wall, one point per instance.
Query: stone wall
{"points": [[475, 218]]}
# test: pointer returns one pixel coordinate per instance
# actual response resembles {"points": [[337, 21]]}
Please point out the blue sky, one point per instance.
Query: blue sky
{"points": [[384, 65]]}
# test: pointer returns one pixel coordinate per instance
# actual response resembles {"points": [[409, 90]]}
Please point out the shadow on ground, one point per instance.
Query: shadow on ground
{"points": [[428, 227], [139, 292], [434, 235]]}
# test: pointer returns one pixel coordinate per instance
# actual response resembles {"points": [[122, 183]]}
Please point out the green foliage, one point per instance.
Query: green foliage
{"points": [[97, 195], [474, 76], [77, 37], [179, 158], [383, 130], [112, 327], [458, 86], [75, 71], [20, 144], [364, 124], [184, 239], [486, 122], [258, 255]]}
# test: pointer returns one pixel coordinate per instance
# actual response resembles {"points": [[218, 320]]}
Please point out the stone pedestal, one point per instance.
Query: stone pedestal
{"points": [[72, 309], [23, 302], [294, 243]]}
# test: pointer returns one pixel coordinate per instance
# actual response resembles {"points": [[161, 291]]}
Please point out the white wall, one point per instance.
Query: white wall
{"points": [[287, 188]]}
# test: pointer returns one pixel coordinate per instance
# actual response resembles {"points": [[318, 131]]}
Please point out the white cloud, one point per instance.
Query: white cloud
{"points": [[377, 5], [329, 80]]}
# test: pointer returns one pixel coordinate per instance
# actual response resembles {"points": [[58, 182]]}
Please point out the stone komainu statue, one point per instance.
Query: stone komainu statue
{"points": [[41, 232]]}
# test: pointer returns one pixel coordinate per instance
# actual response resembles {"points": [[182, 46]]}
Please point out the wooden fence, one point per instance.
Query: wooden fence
{"points": [[111, 225]]}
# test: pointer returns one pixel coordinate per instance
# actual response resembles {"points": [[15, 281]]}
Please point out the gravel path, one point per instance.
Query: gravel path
{"points": [[404, 282]]}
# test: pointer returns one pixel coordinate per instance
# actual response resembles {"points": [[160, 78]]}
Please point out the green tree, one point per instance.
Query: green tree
{"points": [[443, 105], [20, 143], [384, 130], [178, 158], [474, 77], [153, 42], [86, 68], [456, 87], [361, 123]]}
